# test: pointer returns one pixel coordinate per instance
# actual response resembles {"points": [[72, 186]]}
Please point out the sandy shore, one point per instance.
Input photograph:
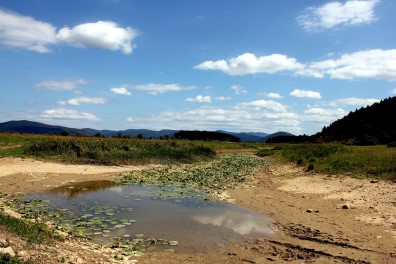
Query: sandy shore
{"points": [[319, 219]]}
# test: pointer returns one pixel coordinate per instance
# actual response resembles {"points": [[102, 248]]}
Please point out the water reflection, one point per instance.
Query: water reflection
{"points": [[73, 190], [240, 222]]}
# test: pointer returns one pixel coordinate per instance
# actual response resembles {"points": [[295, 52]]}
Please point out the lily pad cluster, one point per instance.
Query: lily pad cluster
{"points": [[227, 171], [93, 221]]}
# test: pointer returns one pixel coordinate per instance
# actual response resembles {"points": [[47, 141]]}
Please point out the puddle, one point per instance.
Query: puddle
{"points": [[104, 210]]}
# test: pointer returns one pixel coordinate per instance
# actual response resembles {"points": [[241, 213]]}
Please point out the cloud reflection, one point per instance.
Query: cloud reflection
{"points": [[240, 222]]}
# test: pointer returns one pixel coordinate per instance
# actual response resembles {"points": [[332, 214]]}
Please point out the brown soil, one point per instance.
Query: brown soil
{"points": [[319, 219]]}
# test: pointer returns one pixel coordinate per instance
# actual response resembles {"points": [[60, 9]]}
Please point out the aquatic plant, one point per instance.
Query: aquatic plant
{"points": [[227, 171]]}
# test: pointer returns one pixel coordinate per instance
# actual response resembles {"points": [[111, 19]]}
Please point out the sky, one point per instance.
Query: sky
{"points": [[234, 65]]}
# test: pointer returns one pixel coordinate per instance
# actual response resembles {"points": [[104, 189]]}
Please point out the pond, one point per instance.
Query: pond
{"points": [[172, 215]]}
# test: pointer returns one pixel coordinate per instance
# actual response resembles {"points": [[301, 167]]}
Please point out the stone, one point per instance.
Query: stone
{"points": [[3, 243], [345, 206], [373, 181], [7, 250], [309, 211]]}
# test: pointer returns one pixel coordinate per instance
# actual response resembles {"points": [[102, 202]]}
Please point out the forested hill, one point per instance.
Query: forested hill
{"points": [[205, 136], [375, 124]]}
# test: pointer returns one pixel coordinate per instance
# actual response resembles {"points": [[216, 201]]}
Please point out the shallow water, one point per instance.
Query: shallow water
{"points": [[167, 212]]}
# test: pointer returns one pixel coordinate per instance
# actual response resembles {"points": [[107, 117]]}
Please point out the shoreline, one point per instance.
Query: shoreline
{"points": [[307, 208]]}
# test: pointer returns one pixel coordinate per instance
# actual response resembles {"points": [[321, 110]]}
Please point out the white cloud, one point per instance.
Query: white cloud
{"points": [[374, 64], [239, 118], [60, 85], [154, 89], [272, 95], [101, 34], [84, 100], [67, 114], [200, 99], [268, 105], [26, 32], [250, 64], [305, 94], [354, 101], [238, 89], [335, 14], [222, 98], [322, 115], [394, 91], [120, 90]]}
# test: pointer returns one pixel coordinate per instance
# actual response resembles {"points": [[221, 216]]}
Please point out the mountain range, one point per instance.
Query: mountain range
{"points": [[30, 127]]}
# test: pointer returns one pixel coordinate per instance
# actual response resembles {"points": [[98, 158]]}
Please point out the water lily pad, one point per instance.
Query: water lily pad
{"points": [[173, 243]]}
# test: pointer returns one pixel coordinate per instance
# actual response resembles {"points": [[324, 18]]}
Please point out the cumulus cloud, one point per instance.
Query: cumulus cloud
{"points": [[61, 85], [250, 64], [374, 64], [84, 100], [353, 101], [242, 117], [268, 105], [200, 99], [67, 114], [238, 89], [155, 89], [101, 34], [26, 32], [322, 115], [207, 99], [222, 98], [272, 95], [305, 94], [120, 90], [335, 14]]}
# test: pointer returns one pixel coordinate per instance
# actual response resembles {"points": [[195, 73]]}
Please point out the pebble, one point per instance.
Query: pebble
{"points": [[8, 250], [345, 206], [309, 211], [373, 181], [3, 243]]}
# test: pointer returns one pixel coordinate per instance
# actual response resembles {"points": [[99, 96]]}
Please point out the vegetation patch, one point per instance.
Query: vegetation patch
{"points": [[37, 233], [371, 161], [227, 171]]}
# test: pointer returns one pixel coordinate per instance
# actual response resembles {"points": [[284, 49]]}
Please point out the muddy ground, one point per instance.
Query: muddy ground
{"points": [[318, 218]]}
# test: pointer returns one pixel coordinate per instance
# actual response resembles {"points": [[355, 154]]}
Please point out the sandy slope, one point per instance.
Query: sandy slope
{"points": [[327, 233]]}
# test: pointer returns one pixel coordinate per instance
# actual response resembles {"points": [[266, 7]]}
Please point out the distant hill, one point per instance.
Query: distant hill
{"points": [[247, 136], [371, 125], [375, 124], [205, 136], [277, 134], [29, 127]]}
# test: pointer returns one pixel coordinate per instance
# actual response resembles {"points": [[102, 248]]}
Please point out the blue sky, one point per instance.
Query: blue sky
{"points": [[268, 66]]}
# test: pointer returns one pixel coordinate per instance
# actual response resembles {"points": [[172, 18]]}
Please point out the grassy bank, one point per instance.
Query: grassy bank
{"points": [[358, 161], [36, 233], [112, 150]]}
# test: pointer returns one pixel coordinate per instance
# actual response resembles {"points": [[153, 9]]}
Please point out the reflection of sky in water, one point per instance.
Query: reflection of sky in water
{"points": [[240, 222]]}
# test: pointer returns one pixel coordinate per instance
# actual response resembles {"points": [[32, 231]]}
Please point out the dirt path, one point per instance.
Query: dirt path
{"points": [[311, 224]]}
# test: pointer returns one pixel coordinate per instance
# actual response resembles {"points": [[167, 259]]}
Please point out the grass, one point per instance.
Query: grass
{"points": [[367, 161], [36, 233], [112, 151], [7, 259]]}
